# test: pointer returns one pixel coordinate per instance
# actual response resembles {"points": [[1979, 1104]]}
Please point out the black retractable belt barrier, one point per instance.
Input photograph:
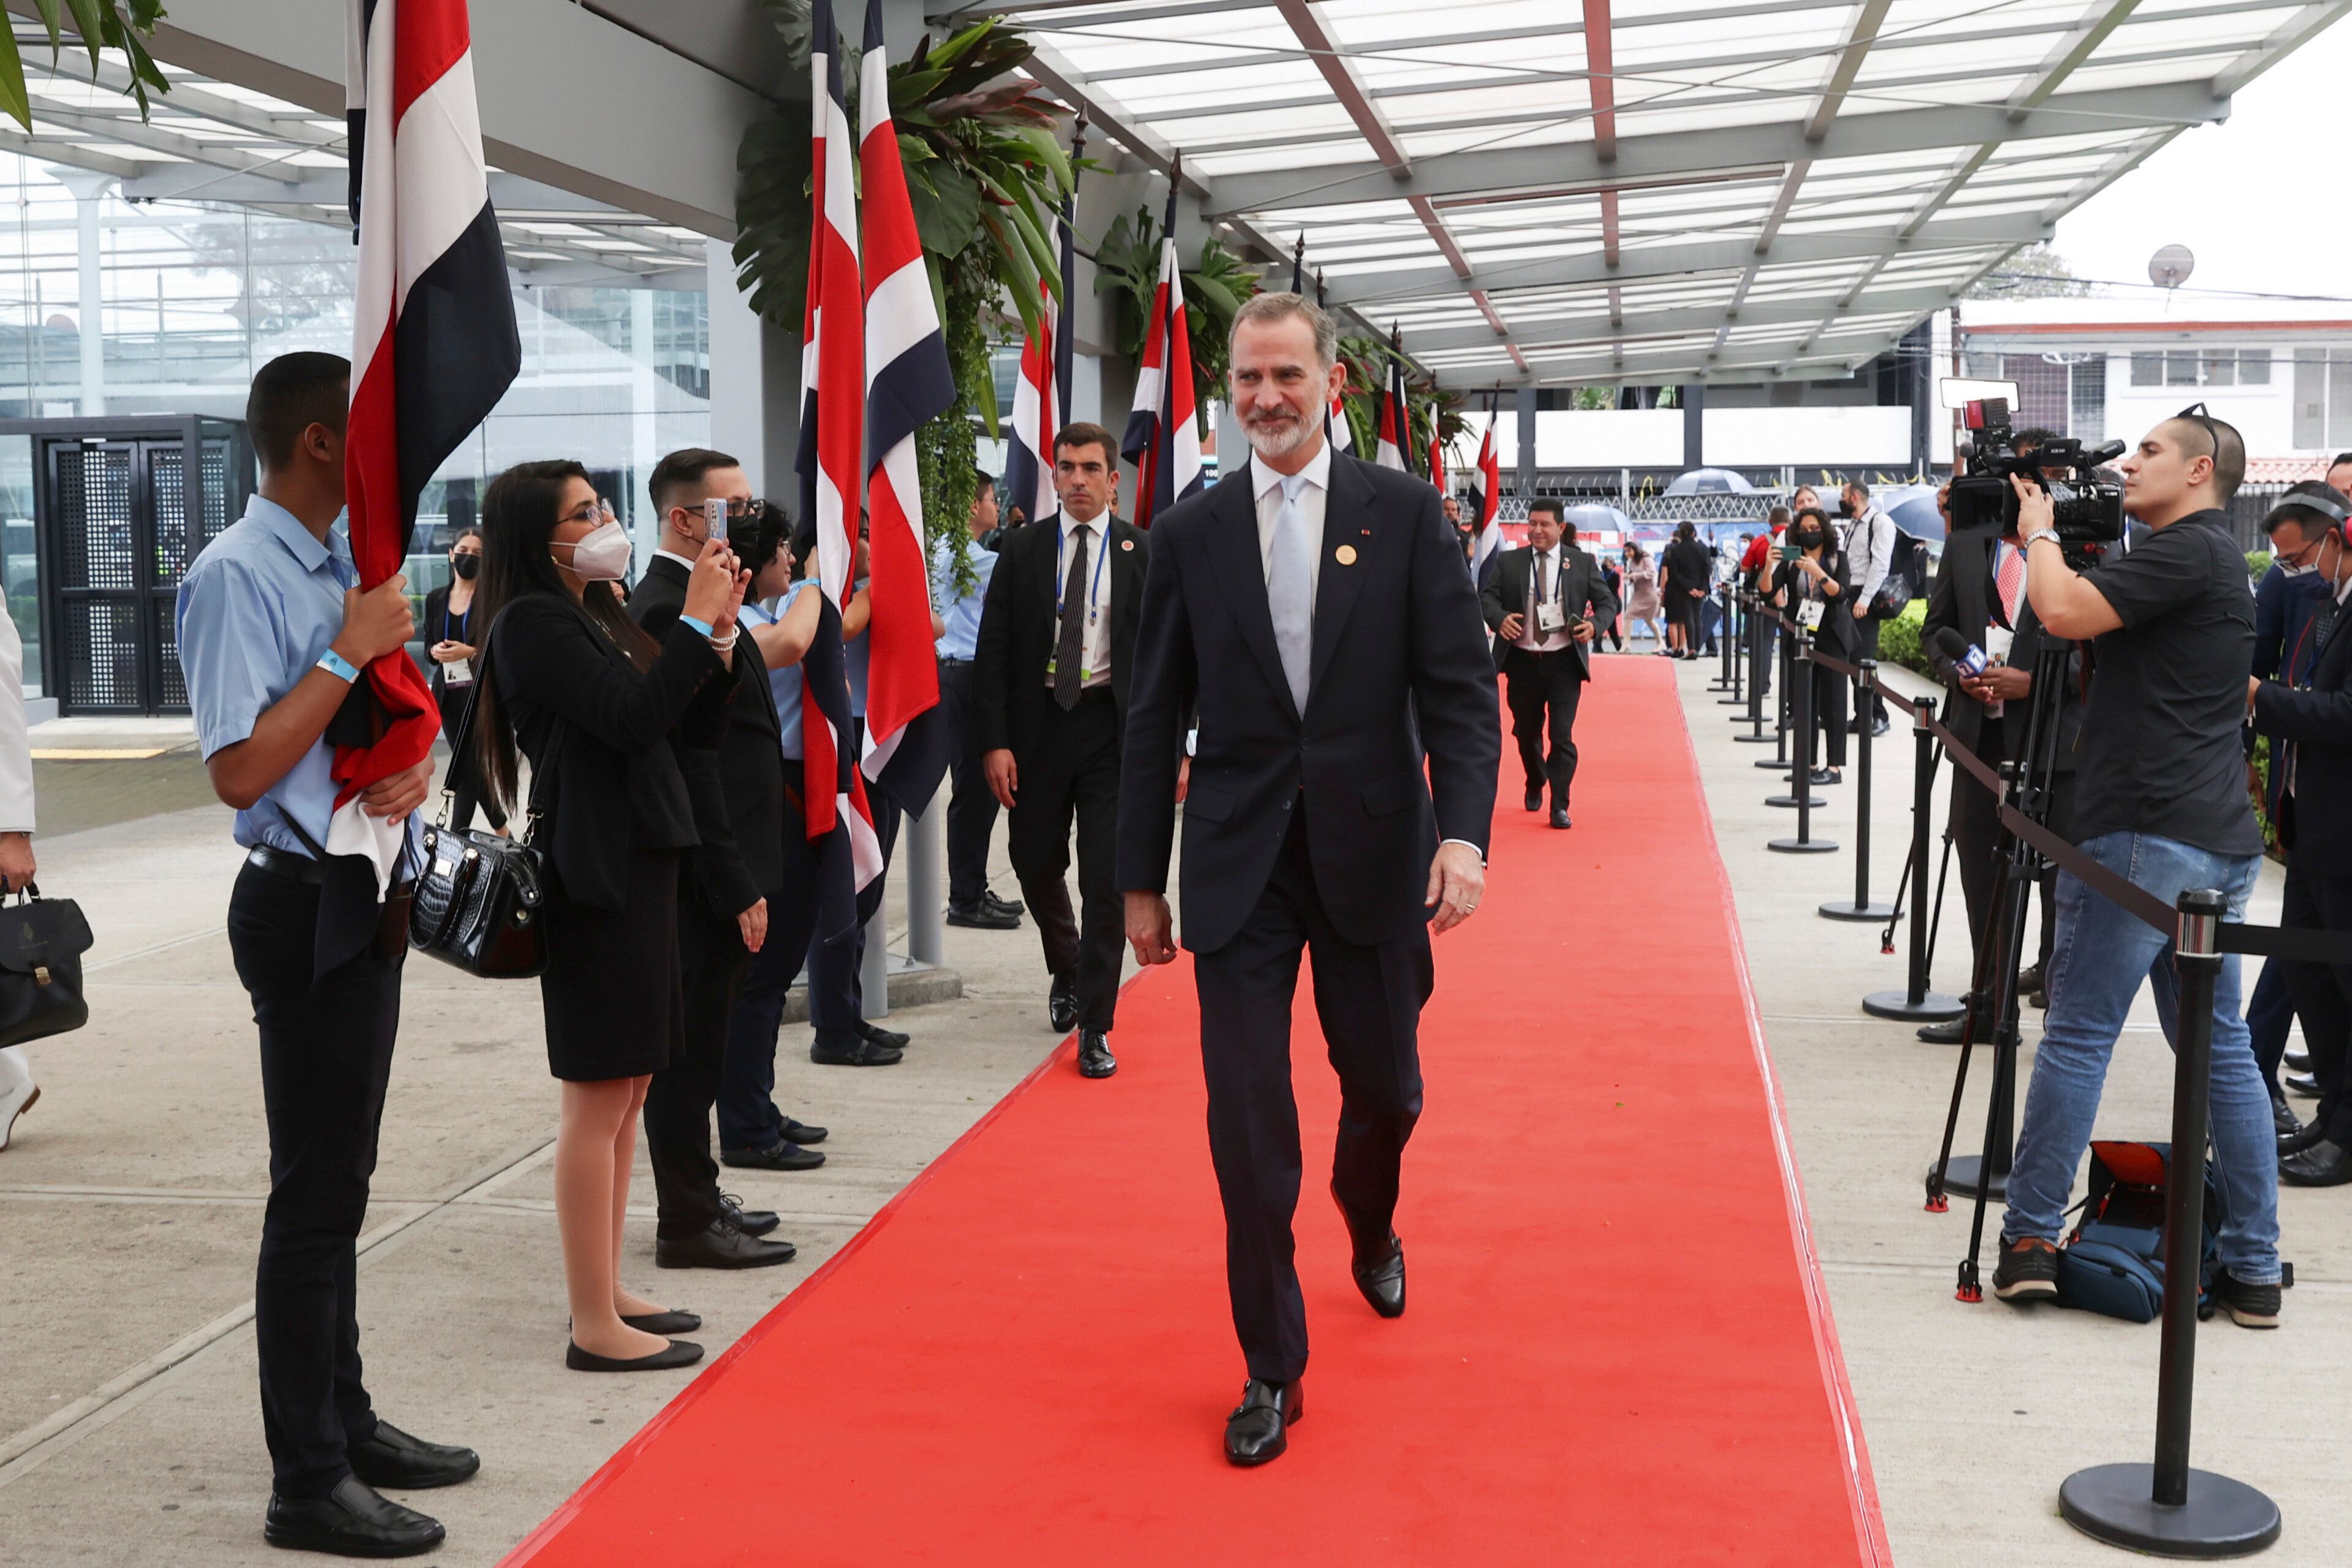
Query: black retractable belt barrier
{"points": [[1724, 680], [1800, 683], [1915, 1003], [1787, 638], [1760, 640], [1866, 678]]}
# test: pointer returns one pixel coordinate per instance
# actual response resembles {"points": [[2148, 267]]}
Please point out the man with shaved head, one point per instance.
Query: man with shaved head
{"points": [[2161, 801]]}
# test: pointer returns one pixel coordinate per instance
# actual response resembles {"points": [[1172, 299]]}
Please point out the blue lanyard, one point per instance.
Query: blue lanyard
{"points": [[1061, 581]]}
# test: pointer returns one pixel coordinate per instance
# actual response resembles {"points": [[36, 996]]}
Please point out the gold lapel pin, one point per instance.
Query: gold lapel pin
{"points": [[1345, 555]]}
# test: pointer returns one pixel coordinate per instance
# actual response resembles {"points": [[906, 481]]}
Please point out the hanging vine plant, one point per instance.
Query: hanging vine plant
{"points": [[985, 170], [1127, 268]]}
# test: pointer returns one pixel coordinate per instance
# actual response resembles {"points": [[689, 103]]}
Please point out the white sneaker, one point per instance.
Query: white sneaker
{"points": [[17, 1091]]}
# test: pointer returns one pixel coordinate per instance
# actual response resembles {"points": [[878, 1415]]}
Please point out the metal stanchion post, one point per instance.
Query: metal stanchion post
{"points": [[2166, 1509], [1800, 686], [1862, 908], [1915, 1003], [1780, 757], [926, 850], [1757, 632], [1722, 681], [874, 971]]}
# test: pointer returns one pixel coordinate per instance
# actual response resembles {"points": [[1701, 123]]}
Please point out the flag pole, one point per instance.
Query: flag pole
{"points": [[1298, 265]]}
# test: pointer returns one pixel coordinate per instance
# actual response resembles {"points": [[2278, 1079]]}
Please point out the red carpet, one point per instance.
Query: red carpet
{"points": [[1618, 1349]]}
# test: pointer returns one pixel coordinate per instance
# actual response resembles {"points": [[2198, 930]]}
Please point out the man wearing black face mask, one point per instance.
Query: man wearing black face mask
{"points": [[451, 641]]}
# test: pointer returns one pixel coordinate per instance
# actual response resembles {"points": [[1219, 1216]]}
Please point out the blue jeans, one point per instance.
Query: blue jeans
{"points": [[2101, 956]]}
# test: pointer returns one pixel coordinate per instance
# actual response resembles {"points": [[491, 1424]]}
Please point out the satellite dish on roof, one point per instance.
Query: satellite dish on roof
{"points": [[2170, 267]]}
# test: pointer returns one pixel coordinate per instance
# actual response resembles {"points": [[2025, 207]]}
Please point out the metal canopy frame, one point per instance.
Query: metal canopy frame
{"points": [[1556, 192]]}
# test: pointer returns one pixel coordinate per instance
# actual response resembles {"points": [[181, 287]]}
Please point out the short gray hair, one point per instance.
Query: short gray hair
{"points": [[1276, 307]]}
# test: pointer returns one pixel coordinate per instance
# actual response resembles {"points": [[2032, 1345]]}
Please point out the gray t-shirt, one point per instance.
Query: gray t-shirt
{"points": [[2161, 751]]}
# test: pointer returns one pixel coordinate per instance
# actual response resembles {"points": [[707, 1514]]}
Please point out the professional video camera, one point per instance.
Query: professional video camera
{"points": [[2089, 511]]}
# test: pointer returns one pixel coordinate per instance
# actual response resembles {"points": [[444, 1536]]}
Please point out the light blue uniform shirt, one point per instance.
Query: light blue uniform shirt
{"points": [[787, 682], [962, 639], [253, 613]]}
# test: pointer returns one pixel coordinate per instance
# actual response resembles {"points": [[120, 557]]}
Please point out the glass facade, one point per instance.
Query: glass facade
{"points": [[187, 299]]}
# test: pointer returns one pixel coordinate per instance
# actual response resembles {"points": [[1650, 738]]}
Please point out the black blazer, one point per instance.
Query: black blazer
{"points": [[429, 631], [738, 790], [1019, 626], [1397, 647], [1965, 599], [2315, 723], [1584, 589], [1685, 564], [614, 782], [1839, 635]]}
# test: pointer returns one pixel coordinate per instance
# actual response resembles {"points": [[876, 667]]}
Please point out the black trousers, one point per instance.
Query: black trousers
{"points": [[971, 808], [1867, 647], [836, 992], [2323, 992], [748, 1117], [711, 959], [1976, 844], [1828, 715], [1071, 771], [1370, 1000], [326, 1056], [1543, 690]]}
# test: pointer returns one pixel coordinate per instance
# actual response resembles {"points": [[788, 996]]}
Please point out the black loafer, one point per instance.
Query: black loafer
{"points": [[2303, 1084], [1559, 817], [1535, 799], [2296, 1061], [350, 1521], [394, 1459], [2283, 1120], [1381, 1277], [1095, 1059], [1013, 907], [980, 917], [1947, 1033], [802, 1132], [857, 1053], [677, 1354], [2304, 1136], [1259, 1429], [751, 1221], [664, 1323], [777, 1156], [875, 1034], [2324, 1164], [1062, 1006], [719, 1245]]}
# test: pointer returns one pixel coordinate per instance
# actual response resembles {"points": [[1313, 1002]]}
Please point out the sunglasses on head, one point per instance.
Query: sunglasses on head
{"points": [[2199, 412]]}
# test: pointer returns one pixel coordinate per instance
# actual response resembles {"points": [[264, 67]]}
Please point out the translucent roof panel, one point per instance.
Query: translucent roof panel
{"points": [[1688, 190]]}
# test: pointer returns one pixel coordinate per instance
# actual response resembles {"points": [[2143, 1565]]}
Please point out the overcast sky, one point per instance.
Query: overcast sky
{"points": [[2227, 191]]}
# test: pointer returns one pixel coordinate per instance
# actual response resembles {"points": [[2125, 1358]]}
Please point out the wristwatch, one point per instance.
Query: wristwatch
{"points": [[2026, 541]]}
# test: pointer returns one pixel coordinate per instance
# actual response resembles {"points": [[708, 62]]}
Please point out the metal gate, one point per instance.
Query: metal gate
{"points": [[123, 514]]}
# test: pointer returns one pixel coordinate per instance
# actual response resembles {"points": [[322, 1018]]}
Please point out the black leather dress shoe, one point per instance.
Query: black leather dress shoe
{"points": [[394, 1459], [1259, 1429], [1095, 1059], [1535, 798], [719, 1245], [1381, 1277], [857, 1053], [2296, 1061], [2283, 1120], [802, 1133], [1559, 817], [2029, 979], [980, 917], [875, 1034], [1947, 1033], [679, 1353], [751, 1221], [2304, 1135], [1013, 907], [1062, 1004], [2324, 1164], [2303, 1084], [777, 1156], [350, 1521], [664, 1323]]}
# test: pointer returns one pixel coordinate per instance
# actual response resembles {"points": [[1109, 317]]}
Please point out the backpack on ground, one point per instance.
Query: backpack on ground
{"points": [[2113, 1262]]}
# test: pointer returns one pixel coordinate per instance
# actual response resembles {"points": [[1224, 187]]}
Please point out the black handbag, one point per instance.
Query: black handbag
{"points": [[478, 901], [41, 944]]}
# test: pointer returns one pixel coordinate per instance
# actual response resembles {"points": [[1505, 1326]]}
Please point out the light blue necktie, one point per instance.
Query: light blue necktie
{"points": [[1290, 590]]}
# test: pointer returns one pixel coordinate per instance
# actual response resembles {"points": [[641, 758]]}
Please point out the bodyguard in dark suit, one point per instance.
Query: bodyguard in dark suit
{"points": [[1314, 609], [723, 908], [1980, 593], [2310, 727], [1543, 604], [1050, 684]]}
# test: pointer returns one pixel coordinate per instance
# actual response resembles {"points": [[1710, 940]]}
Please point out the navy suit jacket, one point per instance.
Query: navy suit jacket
{"points": [[2315, 723], [1400, 676]]}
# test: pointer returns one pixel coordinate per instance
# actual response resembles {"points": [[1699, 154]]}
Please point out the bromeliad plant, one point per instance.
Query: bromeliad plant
{"points": [[985, 172], [123, 25], [1127, 268]]}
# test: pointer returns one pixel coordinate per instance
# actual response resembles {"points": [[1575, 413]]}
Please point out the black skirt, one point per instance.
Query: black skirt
{"points": [[611, 993]]}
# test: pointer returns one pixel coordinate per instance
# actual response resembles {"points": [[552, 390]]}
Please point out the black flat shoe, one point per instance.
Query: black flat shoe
{"points": [[1559, 817], [677, 1354], [2296, 1061], [394, 1459], [1259, 1429], [859, 1053], [1062, 1006], [350, 1521], [875, 1034], [719, 1245], [802, 1133], [662, 1323], [751, 1221], [1013, 907], [2324, 1164], [1947, 1033], [1095, 1059], [1535, 798], [1381, 1278], [780, 1156], [980, 917], [2304, 1136], [2283, 1120]]}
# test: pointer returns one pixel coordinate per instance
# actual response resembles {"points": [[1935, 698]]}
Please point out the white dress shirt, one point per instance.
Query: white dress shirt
{"points": [[1267, 485], [1094, 646], [1543, 573], [1869, 544], [16, 747]]}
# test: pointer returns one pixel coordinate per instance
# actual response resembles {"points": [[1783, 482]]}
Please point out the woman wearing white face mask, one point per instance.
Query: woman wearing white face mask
{"points": [[597, 705]]}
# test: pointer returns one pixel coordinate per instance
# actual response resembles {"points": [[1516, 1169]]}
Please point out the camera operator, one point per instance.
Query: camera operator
{"points": [[2308, 717], [2160, 799], [1979, 595]]}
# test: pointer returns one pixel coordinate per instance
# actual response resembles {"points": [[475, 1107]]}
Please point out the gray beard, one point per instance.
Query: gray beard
{"points": [[1271, 443]]}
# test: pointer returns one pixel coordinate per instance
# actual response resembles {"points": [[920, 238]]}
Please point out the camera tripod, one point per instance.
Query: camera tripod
{"points": [[2000, 951]]}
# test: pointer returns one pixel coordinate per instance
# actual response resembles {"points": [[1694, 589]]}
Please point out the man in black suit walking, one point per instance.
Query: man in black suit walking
{"points": [[1313, 609], [1542, 604], [723, 883], [1050, 684]]}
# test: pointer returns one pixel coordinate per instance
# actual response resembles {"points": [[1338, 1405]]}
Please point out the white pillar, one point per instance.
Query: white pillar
{"points": [[89, 191], [755, 385]]}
